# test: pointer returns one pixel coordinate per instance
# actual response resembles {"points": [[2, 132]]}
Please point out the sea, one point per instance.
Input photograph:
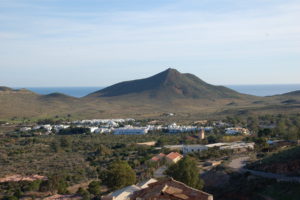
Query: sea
{"points": [[258, 90]]}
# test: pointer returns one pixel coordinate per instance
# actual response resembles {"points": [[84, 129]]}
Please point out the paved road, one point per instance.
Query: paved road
{"points": [[239, 163], [159, 173], [279, 177]]}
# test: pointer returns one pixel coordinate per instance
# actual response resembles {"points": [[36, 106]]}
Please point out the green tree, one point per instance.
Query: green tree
{"points": [[94, 187], [10, 198], [85, 194], [55, 183], [187, 172], [119, 175], [65, 142], [264, 133]]}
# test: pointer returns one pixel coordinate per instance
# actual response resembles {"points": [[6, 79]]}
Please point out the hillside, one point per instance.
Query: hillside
{"points": [[169, 84], [25, 103], [285, 162]]}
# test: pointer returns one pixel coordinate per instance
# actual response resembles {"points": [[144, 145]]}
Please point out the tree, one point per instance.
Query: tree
{"points": [[119, 175], [264, 132], [94, 188], [85, 194], [55, 183], [65, 142], [187, 172]]}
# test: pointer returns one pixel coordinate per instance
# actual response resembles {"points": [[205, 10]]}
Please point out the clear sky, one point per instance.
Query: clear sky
{"points": [[101, 42]]}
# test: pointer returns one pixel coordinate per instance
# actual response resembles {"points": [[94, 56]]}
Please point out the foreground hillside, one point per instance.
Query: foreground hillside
{"points": [[167, 92], [285, 162]]}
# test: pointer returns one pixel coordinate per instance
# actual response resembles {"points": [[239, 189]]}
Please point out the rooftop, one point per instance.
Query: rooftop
{"points": [[170, 189]]}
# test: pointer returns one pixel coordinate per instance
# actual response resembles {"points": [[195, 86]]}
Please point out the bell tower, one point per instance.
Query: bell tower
{"points": [[202, 134]]}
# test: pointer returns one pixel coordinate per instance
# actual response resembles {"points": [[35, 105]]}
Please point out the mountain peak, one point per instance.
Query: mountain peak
{"points": [[171, 73], [171, 70]]}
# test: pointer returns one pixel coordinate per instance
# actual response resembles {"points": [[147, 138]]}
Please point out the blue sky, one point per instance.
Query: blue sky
{"points": [[101, 42]]}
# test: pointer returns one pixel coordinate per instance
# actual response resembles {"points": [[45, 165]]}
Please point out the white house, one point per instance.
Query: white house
{"points": [[236, 130], [24, 129], [48, 127], [174, 128], [122, 194], [57, 128], [93, 129], [126, 193]]}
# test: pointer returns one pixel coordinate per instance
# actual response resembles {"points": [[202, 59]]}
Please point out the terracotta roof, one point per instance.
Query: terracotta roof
{"points": [[173, 155], [169, 189], [158, 157]]}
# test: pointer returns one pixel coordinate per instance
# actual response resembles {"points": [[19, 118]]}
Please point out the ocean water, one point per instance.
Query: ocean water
{"points": [[265, 90], [258, 90]]}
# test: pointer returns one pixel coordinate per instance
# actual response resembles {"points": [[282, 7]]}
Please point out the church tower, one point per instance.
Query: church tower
{"points": [[202, 134]]}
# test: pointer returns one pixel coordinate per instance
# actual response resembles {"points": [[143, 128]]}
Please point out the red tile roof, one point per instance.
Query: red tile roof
{"points": [[173, 155], [158, 157]]}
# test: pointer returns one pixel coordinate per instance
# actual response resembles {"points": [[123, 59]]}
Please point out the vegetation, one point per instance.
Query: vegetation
{"points": [[75, 156], [119, 175], [186, 171], [74, 131]]}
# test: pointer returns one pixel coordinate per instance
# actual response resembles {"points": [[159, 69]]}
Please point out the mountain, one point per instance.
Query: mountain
{"points": [[169, 84], [167, 92]]}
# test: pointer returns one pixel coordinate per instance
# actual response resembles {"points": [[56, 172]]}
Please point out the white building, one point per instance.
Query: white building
{"points": [[48, 127], [239, 145], [126, 193], [174, 128], [193, 148], [236, 130], [93, 129], [24, 129], [57, 128], [129, 130], [122, 194], [232, 145]]}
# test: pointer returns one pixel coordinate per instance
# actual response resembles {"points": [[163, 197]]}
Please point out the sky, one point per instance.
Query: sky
{"points": [[101, 42]]}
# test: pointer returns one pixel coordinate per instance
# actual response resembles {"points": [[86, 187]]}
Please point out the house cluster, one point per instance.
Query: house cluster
{"points": [[103, 122], [47, 128], [158, 189], [174, 128], [124, 127]]}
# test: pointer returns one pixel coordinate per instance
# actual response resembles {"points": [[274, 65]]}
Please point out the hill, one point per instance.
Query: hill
{"points": [[294, 93], [169, 84], [25, 103]]}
